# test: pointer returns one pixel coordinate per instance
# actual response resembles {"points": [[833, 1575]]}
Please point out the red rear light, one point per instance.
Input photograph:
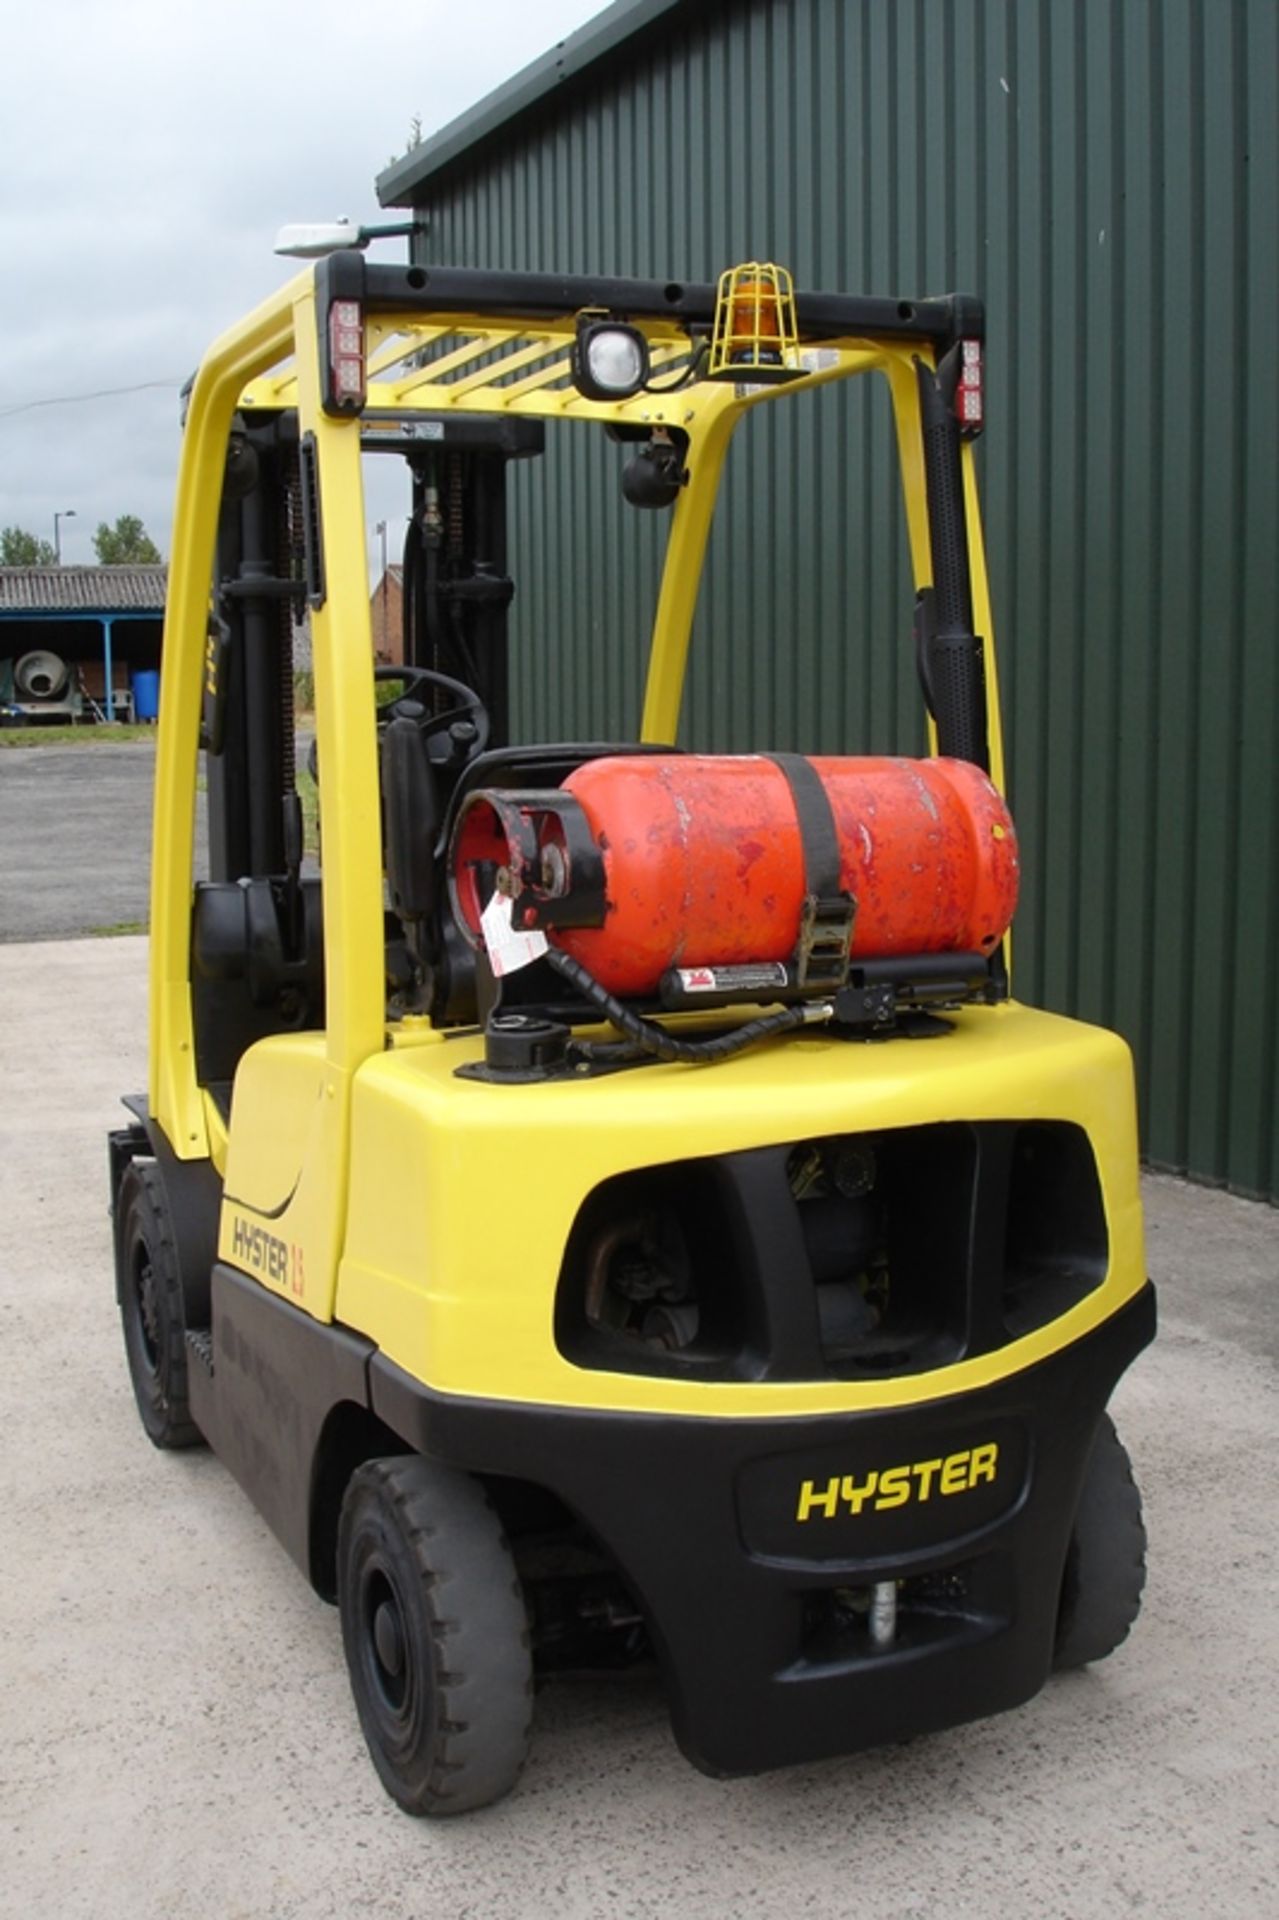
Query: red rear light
{"points": [[970, 394], [346, 356]]}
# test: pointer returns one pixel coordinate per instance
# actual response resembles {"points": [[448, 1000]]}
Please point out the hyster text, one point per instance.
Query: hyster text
{"points": [[894, 1486], [262, 1252]]}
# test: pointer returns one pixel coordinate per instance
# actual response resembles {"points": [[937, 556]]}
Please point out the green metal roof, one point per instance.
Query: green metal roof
{"points": [[400, 185]]}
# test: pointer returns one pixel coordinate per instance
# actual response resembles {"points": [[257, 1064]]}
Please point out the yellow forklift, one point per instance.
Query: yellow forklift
{"points": [[613, 1210]]}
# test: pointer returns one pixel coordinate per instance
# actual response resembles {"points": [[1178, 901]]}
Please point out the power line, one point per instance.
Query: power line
{"points": [[76, 399]]}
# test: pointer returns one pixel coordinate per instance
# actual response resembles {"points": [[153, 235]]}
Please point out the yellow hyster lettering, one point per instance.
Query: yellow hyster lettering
{"points": [[954, 1472], [924, 1472], [895, 1486], [857, 1496], [810, 1498]]}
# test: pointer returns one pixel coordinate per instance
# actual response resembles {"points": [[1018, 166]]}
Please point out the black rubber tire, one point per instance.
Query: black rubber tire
{"points": [[1106, 1563], [151, 1307], [436, 1635]]}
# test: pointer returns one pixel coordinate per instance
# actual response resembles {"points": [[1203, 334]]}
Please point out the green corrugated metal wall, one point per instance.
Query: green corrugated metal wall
{"points": [[1105, 173]]}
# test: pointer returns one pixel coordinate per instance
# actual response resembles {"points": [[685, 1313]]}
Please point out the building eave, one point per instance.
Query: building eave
{"points": [[403, 183]]}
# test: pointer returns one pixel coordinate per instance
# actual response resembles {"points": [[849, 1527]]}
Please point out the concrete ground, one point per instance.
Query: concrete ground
{"points": [[176, 1733]]}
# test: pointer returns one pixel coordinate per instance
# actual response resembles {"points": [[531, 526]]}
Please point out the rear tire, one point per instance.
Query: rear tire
{"points": [[1106, 1562], [435, 1635], [150, 1291]]}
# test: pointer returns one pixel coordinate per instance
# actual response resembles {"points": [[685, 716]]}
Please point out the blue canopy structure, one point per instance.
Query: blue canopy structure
{"points": [[55, 609]]}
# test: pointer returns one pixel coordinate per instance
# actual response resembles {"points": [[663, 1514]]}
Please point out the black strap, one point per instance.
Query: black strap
{"points": [[816, 825], [826, 925]]}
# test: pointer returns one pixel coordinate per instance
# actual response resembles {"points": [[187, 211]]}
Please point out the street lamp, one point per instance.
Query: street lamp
{"points": [[68, 513]]}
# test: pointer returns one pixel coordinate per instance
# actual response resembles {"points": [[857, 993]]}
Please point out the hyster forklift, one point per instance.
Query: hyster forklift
{"points": [[613, 1210]]}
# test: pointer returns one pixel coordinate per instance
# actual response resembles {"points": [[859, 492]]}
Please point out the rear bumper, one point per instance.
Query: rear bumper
{"points": [[750, 1543]]}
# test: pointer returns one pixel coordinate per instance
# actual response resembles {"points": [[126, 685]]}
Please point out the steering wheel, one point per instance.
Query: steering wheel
{"points": [[445, 748]]}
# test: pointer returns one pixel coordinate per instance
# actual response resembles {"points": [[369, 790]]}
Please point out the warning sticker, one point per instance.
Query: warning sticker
{"points": [[745, 979], [508, 950]]}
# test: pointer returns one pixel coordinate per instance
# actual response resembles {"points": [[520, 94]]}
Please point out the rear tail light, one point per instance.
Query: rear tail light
{"points": [[346, 357], [970, 394]]}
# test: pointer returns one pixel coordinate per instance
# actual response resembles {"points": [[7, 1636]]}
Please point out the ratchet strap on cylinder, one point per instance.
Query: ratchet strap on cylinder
{"points": [[826, 925]]}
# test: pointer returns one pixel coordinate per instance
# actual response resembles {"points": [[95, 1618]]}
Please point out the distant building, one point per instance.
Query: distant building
{"points": [[73, 639], [386, 608]]}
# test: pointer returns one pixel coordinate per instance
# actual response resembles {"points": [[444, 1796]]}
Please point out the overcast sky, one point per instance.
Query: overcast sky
{"points": [[148, 154]]}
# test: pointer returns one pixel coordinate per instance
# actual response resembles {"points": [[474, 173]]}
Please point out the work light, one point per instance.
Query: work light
{"points": [[610, 359]]}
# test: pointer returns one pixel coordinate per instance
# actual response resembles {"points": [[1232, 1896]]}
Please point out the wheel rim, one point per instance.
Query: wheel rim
{"points": [[145, 1293], [388, 1646]]}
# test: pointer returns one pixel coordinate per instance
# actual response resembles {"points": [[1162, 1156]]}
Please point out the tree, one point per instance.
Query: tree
{"points": [[126, 544], [18, 548]]}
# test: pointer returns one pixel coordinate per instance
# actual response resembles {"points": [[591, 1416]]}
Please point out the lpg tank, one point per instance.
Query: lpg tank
{"points": [[639, 864]]}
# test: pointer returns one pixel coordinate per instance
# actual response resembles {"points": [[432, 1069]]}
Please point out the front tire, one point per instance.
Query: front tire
{"points": [[1106, 1562], [435, 1635], [151, 1315]]}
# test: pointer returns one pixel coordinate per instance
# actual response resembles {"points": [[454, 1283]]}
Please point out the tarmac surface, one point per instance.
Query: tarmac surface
{"points": [[75, 833], [176, 1731]]}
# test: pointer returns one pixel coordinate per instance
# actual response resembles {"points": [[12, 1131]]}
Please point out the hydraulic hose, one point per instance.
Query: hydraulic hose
{"points": [[649, 1037]]}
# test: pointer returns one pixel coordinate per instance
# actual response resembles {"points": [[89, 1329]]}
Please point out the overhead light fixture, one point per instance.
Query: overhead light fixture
{"points": [[610, 359], [316, 239]]}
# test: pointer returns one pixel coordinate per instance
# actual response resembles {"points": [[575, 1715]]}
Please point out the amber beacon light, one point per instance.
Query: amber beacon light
{"points": [[755, 336]]}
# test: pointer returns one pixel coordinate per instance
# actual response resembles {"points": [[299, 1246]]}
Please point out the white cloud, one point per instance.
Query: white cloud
{"points": [[148, 154]]}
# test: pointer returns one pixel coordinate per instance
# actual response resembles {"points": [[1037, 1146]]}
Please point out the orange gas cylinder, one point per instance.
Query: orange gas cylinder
{"points": [[703, 861]]}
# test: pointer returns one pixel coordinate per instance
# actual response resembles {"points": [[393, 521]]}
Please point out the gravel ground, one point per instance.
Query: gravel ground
{"points": [[177, 1733]]}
